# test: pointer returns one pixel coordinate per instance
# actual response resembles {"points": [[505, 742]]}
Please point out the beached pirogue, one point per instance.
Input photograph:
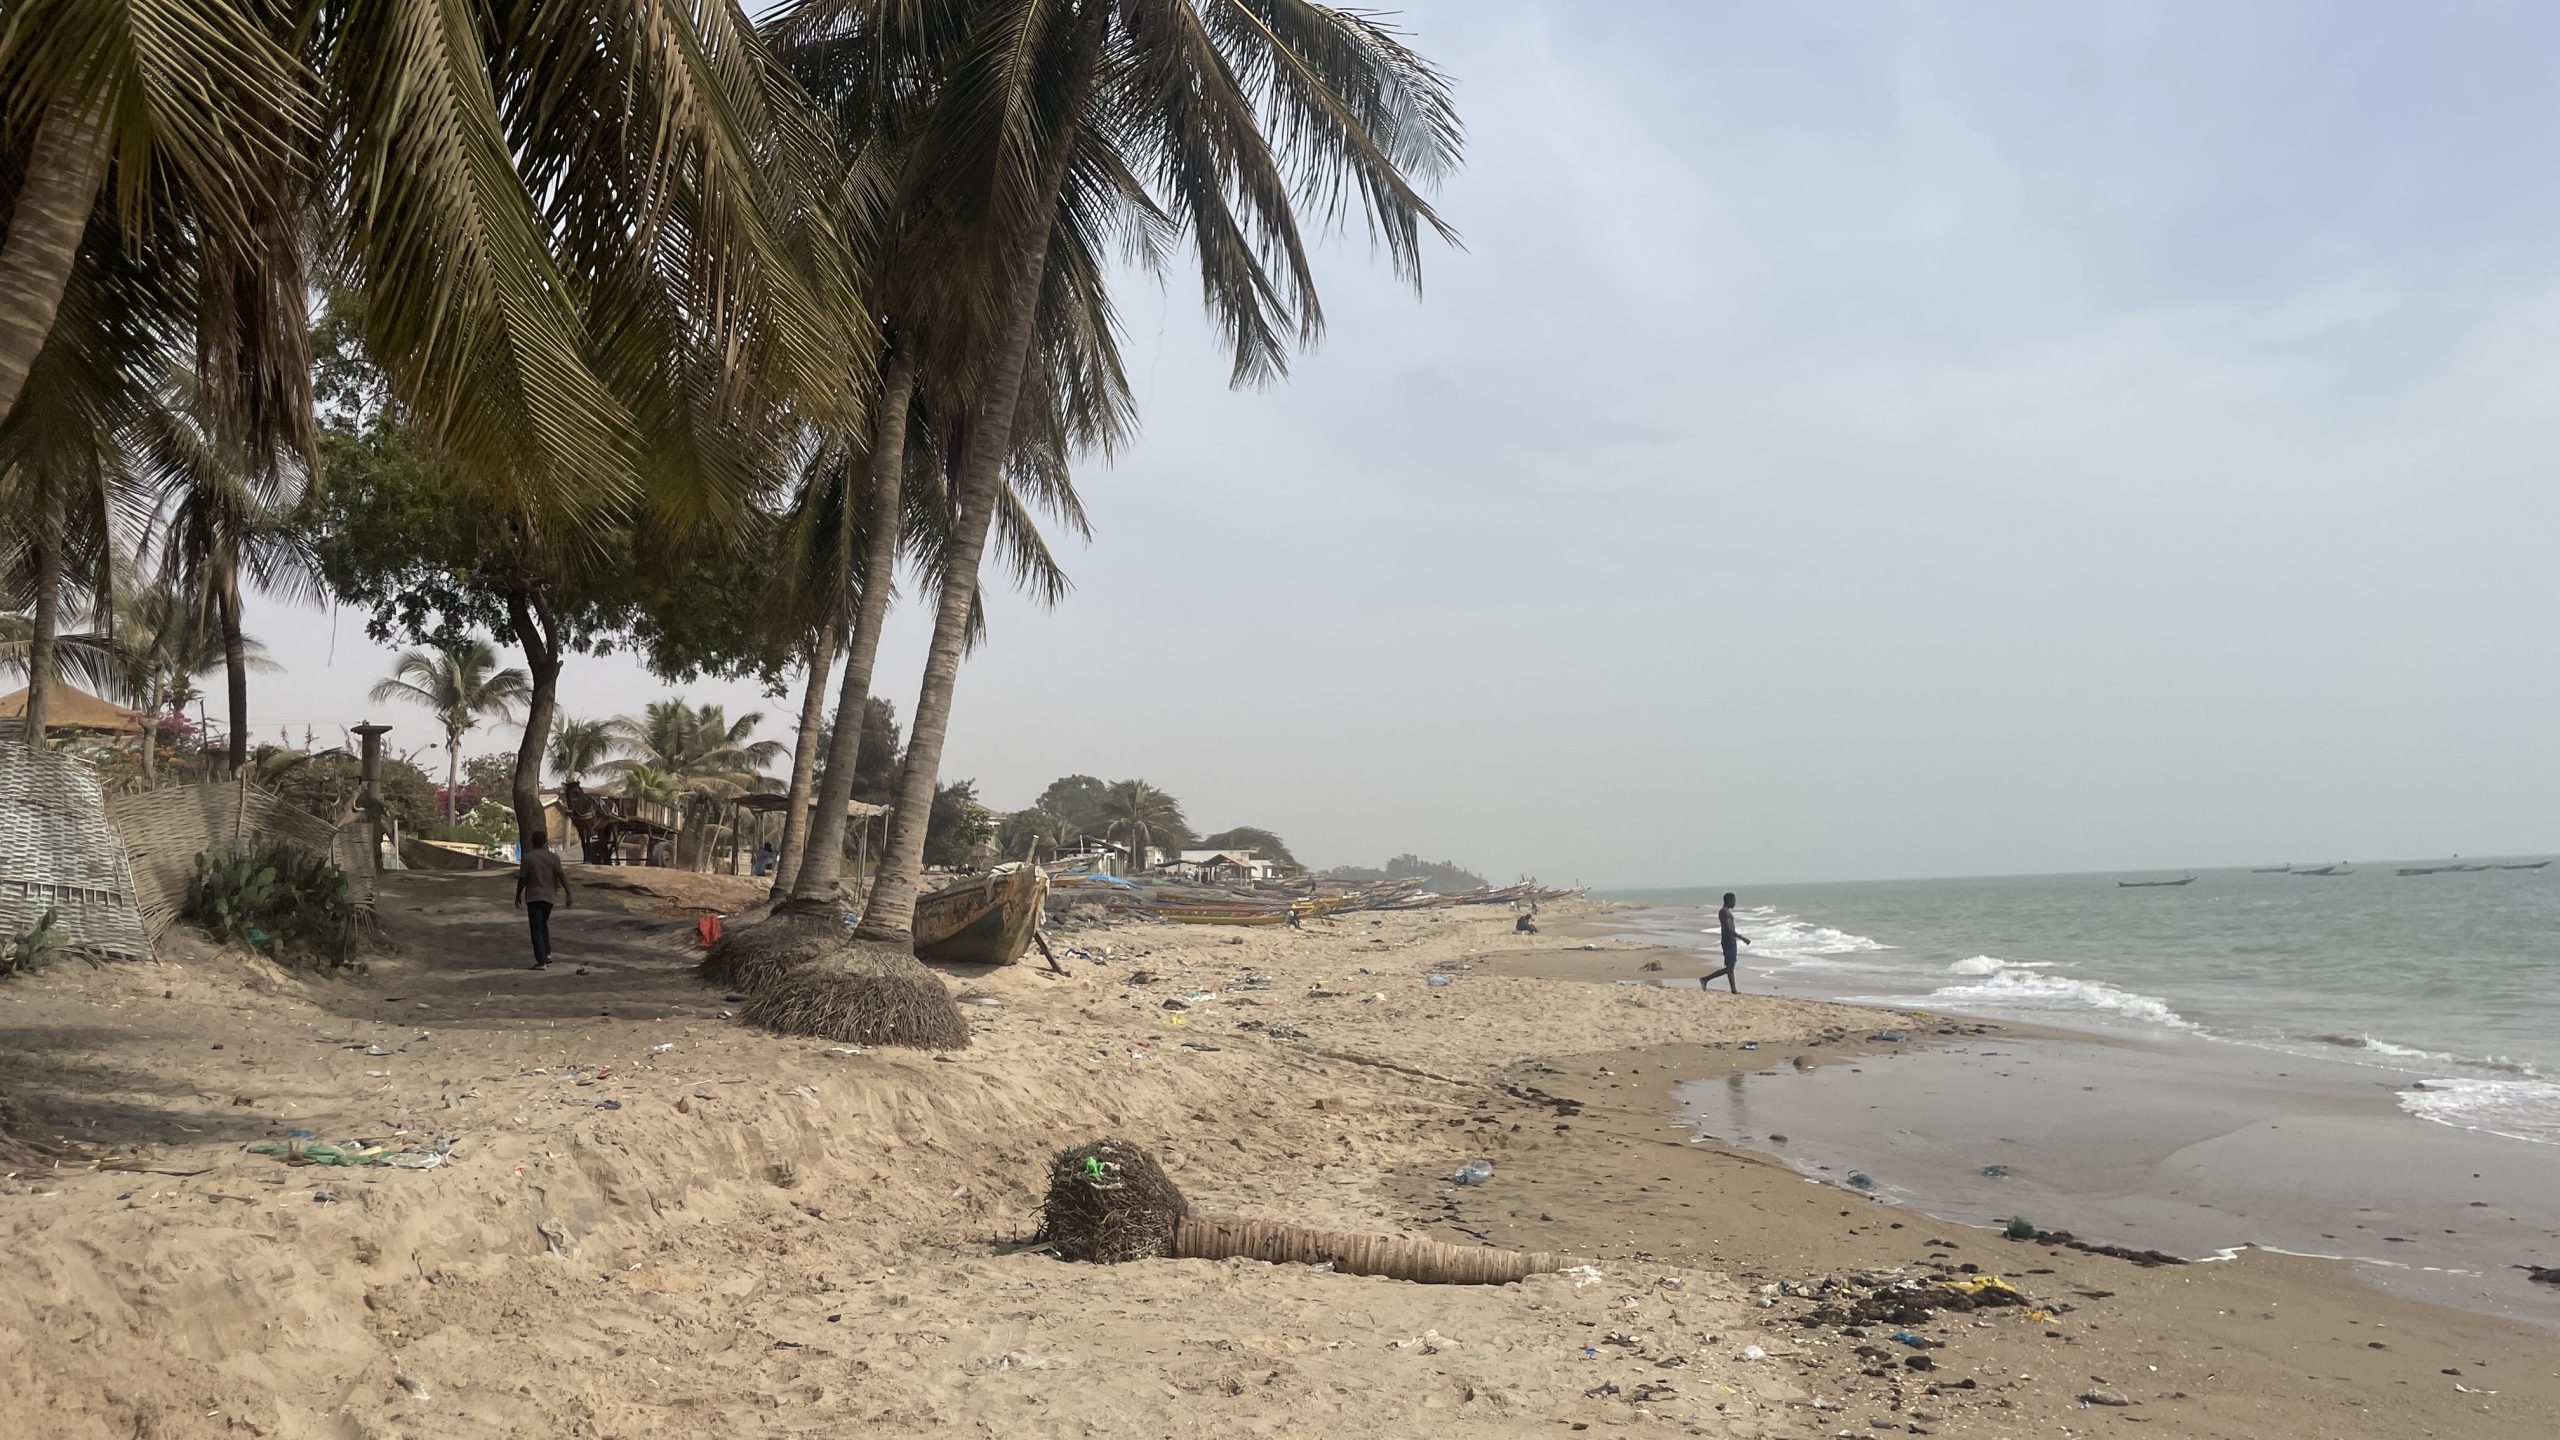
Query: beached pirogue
{"points": [[991, 920]]}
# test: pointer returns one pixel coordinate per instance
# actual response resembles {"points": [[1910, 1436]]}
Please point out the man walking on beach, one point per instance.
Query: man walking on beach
{"points": [[540, 882], [1732, 953]]}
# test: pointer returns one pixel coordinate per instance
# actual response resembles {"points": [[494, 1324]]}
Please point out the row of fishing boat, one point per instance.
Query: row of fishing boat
{"points": [[1274, 902]]}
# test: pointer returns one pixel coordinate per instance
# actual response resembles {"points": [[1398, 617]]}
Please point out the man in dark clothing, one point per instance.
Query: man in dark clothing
{"points": [[1732, 954], [540, 883]]}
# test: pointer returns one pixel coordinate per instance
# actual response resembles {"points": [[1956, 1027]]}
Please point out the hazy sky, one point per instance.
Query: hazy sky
{"points": [[1857, 440]]}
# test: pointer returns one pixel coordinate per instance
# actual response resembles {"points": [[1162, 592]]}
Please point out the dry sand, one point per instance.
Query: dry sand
{"points": [[658, 1223]]}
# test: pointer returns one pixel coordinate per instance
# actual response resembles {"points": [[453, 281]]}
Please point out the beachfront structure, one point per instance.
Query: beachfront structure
{"points": [[75, 710], [1213, 866]]}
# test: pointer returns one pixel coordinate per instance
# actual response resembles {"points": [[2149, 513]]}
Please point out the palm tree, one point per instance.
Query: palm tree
{"points": [[1050, 117], [159, 640], [461, 685], [222, 515], [699, 757], [591, 245], [1142, 817], [578, 746]]}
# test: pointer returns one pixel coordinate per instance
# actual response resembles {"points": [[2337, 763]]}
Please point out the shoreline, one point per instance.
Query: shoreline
{"points": [[778, 1238], [2438, 1212]]}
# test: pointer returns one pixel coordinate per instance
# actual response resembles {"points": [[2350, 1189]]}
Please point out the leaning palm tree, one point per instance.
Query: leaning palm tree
{"points": [[1214, 119], [462, 686], [1142, 817], [578, 746]]}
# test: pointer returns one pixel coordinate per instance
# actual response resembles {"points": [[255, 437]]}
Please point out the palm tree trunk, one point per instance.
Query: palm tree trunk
{"points": [[65, 166], [530, 618], [235, 666], [152, 700], [804, 758], [48, 619], [823, 863], [452, 772], [986, 445]]}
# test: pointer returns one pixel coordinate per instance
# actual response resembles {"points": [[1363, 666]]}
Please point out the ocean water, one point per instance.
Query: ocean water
{"points": [[2447, 985]]}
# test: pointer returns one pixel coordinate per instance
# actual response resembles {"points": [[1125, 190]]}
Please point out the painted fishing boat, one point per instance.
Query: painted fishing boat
{"points": [[986, 921]]}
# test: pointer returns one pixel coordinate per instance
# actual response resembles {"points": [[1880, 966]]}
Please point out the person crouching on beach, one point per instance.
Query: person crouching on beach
{"points": [[539, 882], [1733, 940]]}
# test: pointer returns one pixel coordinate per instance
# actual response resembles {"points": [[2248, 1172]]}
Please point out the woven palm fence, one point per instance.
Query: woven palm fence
{"points": [[59, 853], [165, 829]]}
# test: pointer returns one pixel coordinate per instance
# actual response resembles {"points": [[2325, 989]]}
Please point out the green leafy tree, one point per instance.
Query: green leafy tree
{"points": [[1439, 876], [961, 826], [1037, 834], [1252, 840], [1076, 798], [461, 685]]}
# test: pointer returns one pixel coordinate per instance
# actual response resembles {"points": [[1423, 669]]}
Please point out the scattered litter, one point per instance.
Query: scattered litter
{"points": [[608, 1104], [556, 1236], [1750, 1044], [1019, 1360], [323, 1197], [406, 1381], [832, 1050], [1474, 1172], [1888, 1037], [354, 1153], [1428, 1342], [375, 1050], [1995, 1172], [1754, 1352], [1583, 1275], [2105, 1397], [662, 1049], [1916, 1342], [1436, 980], [1861, 1180]]}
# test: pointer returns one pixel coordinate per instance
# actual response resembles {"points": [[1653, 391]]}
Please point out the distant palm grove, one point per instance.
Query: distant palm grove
{"points": [[532, 331]]}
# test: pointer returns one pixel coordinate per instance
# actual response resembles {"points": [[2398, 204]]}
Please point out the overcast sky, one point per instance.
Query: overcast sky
{"points": [[1857, 440]]}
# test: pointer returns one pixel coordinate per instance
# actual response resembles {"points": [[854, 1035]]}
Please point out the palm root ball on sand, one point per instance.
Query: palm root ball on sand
{"points": [[745, 956], [1108, 1202], [808, 975]]}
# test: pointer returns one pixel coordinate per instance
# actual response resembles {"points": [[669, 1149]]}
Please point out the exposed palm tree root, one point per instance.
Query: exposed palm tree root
{"points": [[750, 956], [857, 993], [1109, 1201]]}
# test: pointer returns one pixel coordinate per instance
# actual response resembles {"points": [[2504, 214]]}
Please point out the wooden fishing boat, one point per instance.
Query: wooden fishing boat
{"points": [[986, 921], [2535, 865], [2284, 869], [2154, 884]]}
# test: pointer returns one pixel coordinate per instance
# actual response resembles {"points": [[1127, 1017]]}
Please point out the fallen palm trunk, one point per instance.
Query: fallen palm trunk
{"points": [[1110, 1201]]}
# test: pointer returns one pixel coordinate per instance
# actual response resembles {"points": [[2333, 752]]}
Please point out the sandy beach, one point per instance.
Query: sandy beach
{"points": [[654, 1221]]}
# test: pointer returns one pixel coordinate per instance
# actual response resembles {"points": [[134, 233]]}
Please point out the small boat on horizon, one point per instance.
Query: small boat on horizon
{"points": [[2153, 884], [2325, 872], [2284, 869], [2532, 865]]}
